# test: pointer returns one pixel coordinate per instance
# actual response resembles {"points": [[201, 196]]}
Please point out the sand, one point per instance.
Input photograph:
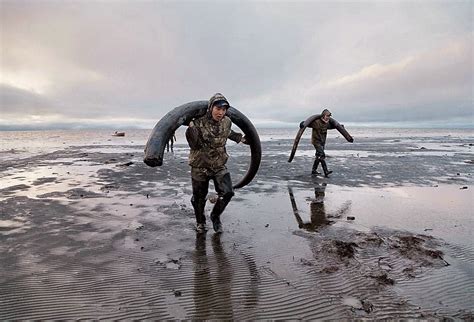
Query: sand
{"points": [[91, 232]]}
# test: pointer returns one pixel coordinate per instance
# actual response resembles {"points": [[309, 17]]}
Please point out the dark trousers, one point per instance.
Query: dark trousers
{"points": [[200, 183], [320, 158]]}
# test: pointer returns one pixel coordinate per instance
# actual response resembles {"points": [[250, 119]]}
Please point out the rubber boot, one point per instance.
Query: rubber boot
{"points": [[314, 171], [325, 168], [216, 223], [218, 209], [199, 205]]}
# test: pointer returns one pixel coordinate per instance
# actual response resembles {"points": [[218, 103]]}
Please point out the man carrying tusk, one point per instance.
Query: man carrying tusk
{"points": [[207, 137], [320, 128]]}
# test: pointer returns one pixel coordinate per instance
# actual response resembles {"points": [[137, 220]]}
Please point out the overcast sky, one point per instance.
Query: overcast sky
{"points": [[127, 63]]}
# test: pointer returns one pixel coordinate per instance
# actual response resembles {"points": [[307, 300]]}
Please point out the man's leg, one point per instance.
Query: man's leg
{"points": [[325, 168], [314, 171], [322, 158], [225, 192], [200, 188], [319, 155]]}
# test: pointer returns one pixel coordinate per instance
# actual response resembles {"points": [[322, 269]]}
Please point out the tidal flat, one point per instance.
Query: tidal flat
{"points": [[88, 231]]}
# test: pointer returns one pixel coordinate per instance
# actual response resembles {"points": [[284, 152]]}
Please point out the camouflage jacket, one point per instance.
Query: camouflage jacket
{"points": [[319, 133], [207, 141]]}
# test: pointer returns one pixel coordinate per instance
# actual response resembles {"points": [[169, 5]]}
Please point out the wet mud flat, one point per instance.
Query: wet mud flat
{"points": [[91, 232]]}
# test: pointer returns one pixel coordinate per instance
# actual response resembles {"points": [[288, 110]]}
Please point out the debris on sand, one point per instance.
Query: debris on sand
{"points": [[173, 264], [344, 249], [126, 164], [414, 247], [359, 305], [367, 306], [136, 225], [383, 279], [306, 262], [409, 272], [330, 269]]}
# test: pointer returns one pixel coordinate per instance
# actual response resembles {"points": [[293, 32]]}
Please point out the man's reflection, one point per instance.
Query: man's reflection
{"points": [[319, 217], [202, 280], [318, 212], [212, 296], [213, 278]]}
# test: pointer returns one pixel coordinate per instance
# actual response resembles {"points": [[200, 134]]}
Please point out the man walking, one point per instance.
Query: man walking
{"points": [[207, 137]]}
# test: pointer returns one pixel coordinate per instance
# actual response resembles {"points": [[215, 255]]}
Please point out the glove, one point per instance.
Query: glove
{"points": [[351, 139], [244, 140], [302, 124]]}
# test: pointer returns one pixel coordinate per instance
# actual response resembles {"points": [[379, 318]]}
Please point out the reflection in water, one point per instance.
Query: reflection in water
{"points": [[319, 218], [213, 281], [202, 279]]}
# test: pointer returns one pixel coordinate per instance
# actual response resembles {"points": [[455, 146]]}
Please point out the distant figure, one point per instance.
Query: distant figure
{"points": [[320, 128], [170, 143]]}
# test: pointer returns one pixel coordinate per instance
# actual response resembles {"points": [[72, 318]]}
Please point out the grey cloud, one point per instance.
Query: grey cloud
{"points": [[139, 59], [19, 101]]}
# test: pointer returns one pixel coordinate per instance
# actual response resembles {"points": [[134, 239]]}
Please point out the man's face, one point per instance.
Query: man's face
{"points": [[218, 113], [325, 118]]}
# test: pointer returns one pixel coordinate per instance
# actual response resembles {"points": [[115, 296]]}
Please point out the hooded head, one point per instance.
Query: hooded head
{"points": [[325, 115], [217, 100]]}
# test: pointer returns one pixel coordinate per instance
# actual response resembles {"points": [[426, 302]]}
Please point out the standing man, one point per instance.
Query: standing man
{"points": [[207, 137], [320, 128]]}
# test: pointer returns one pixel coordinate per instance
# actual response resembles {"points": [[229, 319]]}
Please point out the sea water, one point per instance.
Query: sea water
{"points": [[22, 144]]}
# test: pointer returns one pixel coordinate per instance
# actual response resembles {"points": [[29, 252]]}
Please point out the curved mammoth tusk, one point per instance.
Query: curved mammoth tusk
{"points": [[183, 114], [166, 126], [253, 139], [333, 124]]}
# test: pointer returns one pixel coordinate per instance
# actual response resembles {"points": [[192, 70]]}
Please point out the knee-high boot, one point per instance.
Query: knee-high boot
{"points": [[199, 203], [314, 171], [218, 209], [325, 168], [220, 205]]}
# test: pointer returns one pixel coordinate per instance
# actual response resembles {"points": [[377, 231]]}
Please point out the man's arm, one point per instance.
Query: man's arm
{"points": [[236, 137], [312, 125], [194, 136]]}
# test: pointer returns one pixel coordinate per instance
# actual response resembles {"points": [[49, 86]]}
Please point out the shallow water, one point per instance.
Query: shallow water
{"points": [[389, 235]]}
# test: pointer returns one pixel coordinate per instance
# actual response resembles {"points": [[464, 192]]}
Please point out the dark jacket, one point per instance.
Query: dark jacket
{"points": [[207, 139], [319, 133]]}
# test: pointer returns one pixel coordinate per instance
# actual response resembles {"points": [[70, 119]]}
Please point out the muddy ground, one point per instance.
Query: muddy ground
{"points": [[90, 232]]}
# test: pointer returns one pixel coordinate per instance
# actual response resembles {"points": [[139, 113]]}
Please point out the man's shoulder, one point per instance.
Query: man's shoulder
{"points": [[316, 122], [226, 122], [200, 120], [227, 119]]}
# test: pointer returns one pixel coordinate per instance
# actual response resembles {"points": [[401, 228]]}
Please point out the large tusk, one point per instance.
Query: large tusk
{"points": [[165, 127], [183, 114], [252, 137], [333, 124]]}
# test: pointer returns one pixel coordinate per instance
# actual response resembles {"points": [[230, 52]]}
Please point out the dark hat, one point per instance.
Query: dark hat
{"points": [[221, 103]]}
